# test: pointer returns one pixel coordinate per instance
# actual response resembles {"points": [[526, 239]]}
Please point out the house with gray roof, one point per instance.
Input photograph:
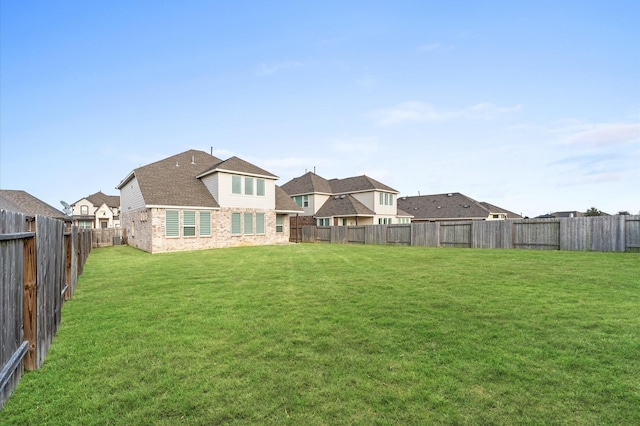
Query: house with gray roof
{"points": [[358, 200], [452, 206], [22, 202], [193, 201], [97, 210]]}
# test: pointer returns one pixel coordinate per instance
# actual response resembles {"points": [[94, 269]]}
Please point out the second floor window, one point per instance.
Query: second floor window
{"points": [[84, 209], [302, 200]]}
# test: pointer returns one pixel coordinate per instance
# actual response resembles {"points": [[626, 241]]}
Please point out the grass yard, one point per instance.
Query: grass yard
{"points": [[343, 334]]}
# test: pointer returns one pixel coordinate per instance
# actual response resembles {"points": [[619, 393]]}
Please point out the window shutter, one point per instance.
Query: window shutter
{"points": [[172, 226], [205, 223], [236, 224], [248, 223], [259, 223]]}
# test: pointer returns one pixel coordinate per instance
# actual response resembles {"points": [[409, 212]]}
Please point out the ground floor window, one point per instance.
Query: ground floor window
{"points": [[247, 223], [384, 221], [280, 223], [324, 221], [85, 224]]}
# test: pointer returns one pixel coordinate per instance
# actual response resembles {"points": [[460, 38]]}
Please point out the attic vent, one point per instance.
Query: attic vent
{"points": [[193, 159], [177, 165], [466, 206], [342, 196], [449, 195], [439, 207], [336, 197]]}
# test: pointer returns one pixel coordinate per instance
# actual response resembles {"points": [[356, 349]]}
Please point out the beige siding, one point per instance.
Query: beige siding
{"points": [[211, 182], [227, 199], [367, 198], [131, 196]]}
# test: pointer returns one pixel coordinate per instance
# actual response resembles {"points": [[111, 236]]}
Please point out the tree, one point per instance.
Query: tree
{"points": [[624, 213], [593, 212]]}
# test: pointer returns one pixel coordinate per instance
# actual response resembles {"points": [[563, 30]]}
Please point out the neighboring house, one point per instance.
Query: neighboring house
{"points": [[358, 200], [566, 214], [194, 201], [97, 211], [451, 206], [23, 202]]}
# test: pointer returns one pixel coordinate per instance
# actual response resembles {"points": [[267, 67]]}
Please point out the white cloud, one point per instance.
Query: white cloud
{"points": [[606, 134], [416, 111], [265, 69]]}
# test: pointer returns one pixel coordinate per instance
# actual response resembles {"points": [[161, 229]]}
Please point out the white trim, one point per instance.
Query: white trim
{"points": [[234, 172], [181, 207], [126, 180]]}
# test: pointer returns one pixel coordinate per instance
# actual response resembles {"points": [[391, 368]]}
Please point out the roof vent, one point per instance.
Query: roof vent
{"points": [[193, 159], [342, 196], [336, 197], [177, 165], [449, 195], [439, 207]]}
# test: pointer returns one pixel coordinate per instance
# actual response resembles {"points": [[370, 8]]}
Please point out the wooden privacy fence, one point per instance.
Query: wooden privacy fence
{"points": [[39, 268], [106, 237], [602, 233]]}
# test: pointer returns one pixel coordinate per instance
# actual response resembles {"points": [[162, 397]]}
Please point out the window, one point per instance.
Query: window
{"points": [[236, 184], [344, 221], [259, 223], [248, 223], [386, 199], [205, 223], [324, 222], [236, 224], [384, 221], [189, 224], [172, 226], [280, 223], [84, 209], [260, 187], [302, 200], [84, 224], [248, 186]]}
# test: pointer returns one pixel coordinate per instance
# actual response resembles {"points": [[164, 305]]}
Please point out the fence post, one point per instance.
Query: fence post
{"points": [[30, 301]]}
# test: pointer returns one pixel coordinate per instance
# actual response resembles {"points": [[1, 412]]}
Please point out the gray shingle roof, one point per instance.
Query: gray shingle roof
{"points": [[235, 164], [308, 183], [284, 203], [23, 202], [346, 205], [357, 184], [173, 182], [100, 198], [448, 206]]}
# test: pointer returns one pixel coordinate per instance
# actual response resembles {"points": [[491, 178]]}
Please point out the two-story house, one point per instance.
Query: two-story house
{"points": [[193, 201], [97, 210], [358, 200]]}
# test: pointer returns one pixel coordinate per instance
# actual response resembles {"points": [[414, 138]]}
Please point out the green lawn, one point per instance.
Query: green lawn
{"points": [[343, 334]]}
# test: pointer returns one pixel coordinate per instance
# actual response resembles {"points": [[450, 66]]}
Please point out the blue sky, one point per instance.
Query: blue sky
{"points": [[533, 106]]}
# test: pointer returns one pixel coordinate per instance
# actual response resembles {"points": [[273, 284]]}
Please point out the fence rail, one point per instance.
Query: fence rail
{"points": [[39, 268], [606, 234]]}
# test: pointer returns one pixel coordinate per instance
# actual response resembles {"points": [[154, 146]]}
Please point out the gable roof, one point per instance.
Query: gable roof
{"points": [[357, 184], [284, 203], [449, 206], [308, 183], [343, 205], [100, 198], [23, 202], [238, 165], [173, 181]]}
